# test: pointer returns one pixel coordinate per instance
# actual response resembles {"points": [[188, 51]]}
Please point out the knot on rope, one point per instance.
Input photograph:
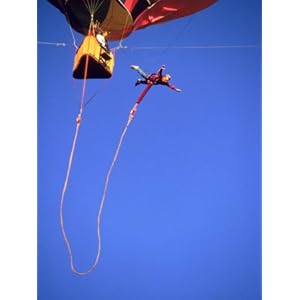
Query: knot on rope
{"points": [[132, 112], [78, 119]]}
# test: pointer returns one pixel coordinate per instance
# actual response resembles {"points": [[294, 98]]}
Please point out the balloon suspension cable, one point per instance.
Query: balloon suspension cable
{"points": [[71, 30], [93, 5], [53, 44], [120, 46], [194, 47], [189, 47], [98, 4], [73, 37]]}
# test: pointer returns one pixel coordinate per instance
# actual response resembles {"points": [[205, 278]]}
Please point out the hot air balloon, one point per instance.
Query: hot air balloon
{"points": [[119, 18]]}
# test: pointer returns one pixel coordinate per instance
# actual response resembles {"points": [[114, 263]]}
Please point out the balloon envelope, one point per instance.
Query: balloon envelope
{"points": [[120, 18]]}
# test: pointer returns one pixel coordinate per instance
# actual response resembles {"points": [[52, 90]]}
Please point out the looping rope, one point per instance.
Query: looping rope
{"points": [[107, 179]]}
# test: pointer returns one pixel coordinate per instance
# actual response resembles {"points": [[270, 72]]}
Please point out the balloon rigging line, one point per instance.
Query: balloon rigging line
{"points": [[120, 46], [180, 33], [53, 44], [86, 5], [98, 5], [73, 37], [123, 33], [90, 99], [192, 47], [71, 30], [92, 6]]}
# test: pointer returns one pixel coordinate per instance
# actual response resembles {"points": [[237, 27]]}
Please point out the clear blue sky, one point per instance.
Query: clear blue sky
{"points": [[183, 213]]}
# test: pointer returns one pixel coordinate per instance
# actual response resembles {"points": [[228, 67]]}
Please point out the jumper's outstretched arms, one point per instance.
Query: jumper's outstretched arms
{"points": [[173, 87]]}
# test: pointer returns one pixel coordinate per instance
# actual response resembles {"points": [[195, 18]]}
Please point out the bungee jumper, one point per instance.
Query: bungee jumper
{"points": [[155, 78], [150, 79]]}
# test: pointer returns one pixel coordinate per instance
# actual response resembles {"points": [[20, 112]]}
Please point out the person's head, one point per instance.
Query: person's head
{"points": [[166, 78], [105, 34]]}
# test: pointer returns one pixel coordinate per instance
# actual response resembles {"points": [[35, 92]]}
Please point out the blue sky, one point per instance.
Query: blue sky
{"points": [[183, 212]]}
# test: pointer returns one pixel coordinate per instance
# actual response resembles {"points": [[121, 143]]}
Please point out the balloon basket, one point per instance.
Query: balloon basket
{"points": [[100, 61]]}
